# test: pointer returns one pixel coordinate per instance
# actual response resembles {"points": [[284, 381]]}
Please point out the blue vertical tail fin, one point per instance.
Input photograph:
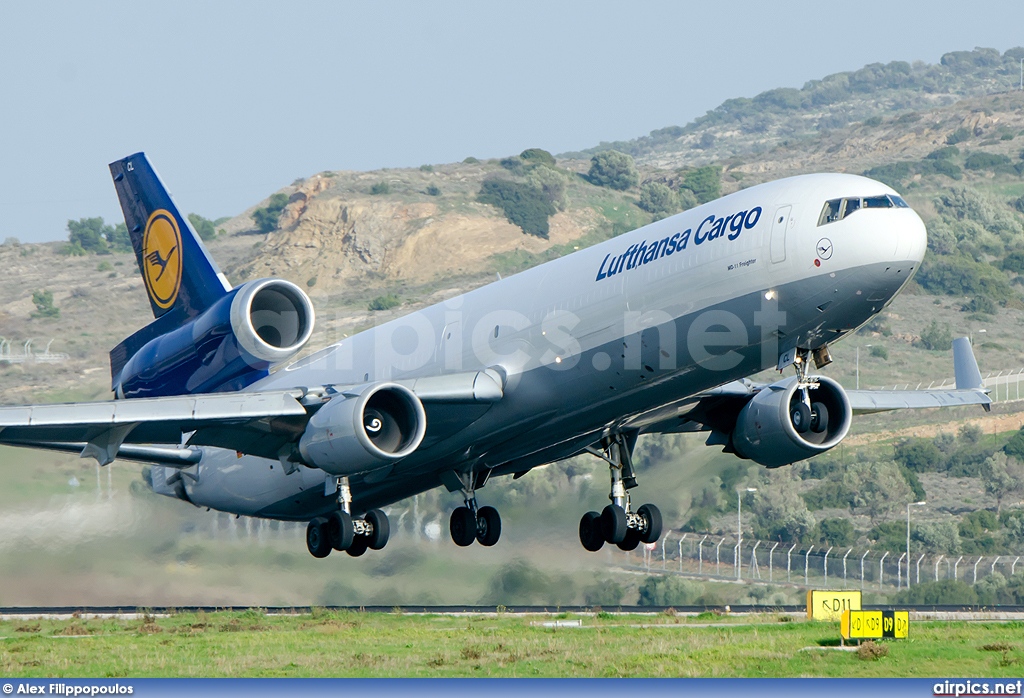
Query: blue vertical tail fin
{"points": [[181, 278]]}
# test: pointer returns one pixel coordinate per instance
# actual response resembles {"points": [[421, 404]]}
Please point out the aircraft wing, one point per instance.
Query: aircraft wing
{"points": [[255, 423]]}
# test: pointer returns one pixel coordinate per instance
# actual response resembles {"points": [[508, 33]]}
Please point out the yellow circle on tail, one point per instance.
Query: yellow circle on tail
{"points": [[161, 258]]}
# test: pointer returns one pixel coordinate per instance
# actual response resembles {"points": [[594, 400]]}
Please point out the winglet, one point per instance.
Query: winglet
{"points": [[965, 366]]}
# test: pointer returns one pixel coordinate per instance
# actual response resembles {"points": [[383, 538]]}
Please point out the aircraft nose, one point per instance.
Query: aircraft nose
{"points": [[911, 238]]}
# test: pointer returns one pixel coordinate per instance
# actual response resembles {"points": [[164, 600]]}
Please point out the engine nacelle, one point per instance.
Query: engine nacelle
{"points": [[358, 433], [766, 431], [228, 346]]}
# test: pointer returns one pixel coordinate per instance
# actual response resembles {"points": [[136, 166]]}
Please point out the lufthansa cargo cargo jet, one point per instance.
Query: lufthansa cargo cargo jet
{"points": [[654, 331]]}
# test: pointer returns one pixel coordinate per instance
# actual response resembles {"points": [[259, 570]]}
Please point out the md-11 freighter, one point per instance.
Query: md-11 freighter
{"points": [[654, 331]]}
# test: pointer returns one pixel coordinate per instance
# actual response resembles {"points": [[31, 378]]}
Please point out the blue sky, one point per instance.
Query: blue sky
{"points": [[233, 100]]}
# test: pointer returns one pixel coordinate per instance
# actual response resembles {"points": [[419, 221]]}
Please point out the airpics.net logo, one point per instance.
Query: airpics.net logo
{"points": [[966, 688]]}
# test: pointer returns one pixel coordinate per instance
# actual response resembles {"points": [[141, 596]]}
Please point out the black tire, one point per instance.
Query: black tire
{"points": [[591, 534], [631, 541], [819, 417], [381, 529], [488, 526], [339, 524], [614, 524], [800, 416], [652, 515], [359, 546], [317, 538], [462, 526]]}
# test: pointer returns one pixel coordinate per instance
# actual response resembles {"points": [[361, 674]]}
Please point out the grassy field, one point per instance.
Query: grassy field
{"points": [[328, 643]]}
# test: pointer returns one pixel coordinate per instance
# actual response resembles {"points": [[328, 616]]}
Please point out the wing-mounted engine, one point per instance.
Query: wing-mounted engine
{"points": [[789, 421], [226, 347], [359, 431]]}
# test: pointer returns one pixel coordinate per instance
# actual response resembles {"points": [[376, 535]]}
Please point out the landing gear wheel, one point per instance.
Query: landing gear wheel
{"points": [[652, 515], [614, 523], [800, 415], [488, 526], [591, 533], [339, 524], [358, 547], [631, 540], [819, 417], [381, 529], [317, 538], [463, 526]]}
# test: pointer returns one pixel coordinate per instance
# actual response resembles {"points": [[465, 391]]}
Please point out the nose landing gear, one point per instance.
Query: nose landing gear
{"points": [[617, 523]]}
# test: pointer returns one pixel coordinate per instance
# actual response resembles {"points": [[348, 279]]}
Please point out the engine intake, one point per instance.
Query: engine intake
{"points": [[357, 433], [776, 428], [271, 318]]}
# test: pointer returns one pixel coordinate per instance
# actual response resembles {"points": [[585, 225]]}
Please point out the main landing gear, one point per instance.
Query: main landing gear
{"points": [[469, 523], [340, 531], [618, 523]]}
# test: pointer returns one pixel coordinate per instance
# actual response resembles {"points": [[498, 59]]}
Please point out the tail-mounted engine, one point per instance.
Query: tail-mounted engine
{"points": [[792, 420], [226, 347], [357, 432]]}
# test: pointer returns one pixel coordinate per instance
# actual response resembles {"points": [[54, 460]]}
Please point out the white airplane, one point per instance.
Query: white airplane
{"points": [[654, 331]]}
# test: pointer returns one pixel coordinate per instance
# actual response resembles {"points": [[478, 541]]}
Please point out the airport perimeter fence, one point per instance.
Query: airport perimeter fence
{"points": [[714, 557]]}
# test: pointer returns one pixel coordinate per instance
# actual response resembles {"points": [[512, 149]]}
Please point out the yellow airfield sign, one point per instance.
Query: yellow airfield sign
{"points": [[874, 625], [829, 605]]}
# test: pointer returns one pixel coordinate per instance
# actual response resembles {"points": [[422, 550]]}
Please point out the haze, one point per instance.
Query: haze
{"points": [[233, 100]]}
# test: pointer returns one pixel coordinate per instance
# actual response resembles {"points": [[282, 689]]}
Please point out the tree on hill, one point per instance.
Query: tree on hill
{"points": [[657, 199], [43, 300], [266, 217], [704, 182], [613, 169], [523, 204], [1003, 477], [204, 227], [538, 156]]}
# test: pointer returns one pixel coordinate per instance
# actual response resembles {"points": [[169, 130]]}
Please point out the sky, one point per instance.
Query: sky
{"points": [[233, 100]]}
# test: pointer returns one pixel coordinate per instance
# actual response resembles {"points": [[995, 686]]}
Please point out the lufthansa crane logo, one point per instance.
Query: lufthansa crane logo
{"points": [[161, 258]]}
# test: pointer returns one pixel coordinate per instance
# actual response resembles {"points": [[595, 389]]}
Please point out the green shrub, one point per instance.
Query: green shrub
{"points": [[943, 593], [958, 136], [880, 352], [957, 275], [1018, 204], [687, 199], [873, 121], [266, 218], [942, 167], [433, 190], [704, 182], [670, 591], [45, 308], [893, 174], [1015, 446], [93, 236], [523, 204], [426, 168], [205, 228], [944, 153], [104, 266], [936, 337], [471, 161], [380, 188], [384, 302], [657, 199], [613, 169], [979, 304], [985, 161], [538, 156], [835, 531], [920, 456]]}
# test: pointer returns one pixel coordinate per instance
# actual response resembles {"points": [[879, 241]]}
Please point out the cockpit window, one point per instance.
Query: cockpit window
{"points": [[838, 209]]}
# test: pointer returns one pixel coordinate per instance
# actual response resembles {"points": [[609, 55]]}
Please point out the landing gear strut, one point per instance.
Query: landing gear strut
{"points": [[339, 531], [618, 523], [469, 523]]}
